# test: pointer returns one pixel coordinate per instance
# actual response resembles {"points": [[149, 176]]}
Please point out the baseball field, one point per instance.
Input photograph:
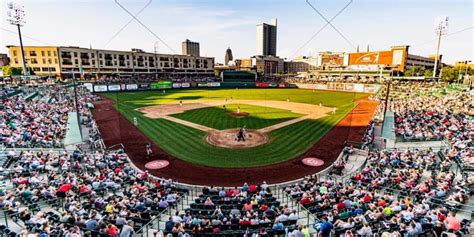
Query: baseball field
{"points": [[185, 122]]}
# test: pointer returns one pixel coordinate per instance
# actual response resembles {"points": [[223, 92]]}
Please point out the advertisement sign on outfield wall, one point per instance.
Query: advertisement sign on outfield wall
{"points": [[359, 87], [349, 87], [132, 87], [143, 86], [161, 85], [100, 88], [114, 87], [282, 85], [369, 88], [321, 87], [209, 84], [185, 85], [176, 85], [261, 84], [123, 87], [89, 87]]}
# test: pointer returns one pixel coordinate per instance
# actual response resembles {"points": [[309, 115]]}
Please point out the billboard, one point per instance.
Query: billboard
{"points": [[114, 87], [209, 84], [132, 87], [349, 87], [321, 87], [100, 88], [261, 84], [359, 87], [162, 85], [143, 86], [176, 85], [185, 85], [371, 58], [332, 59], [246, 63], [89, 87]]}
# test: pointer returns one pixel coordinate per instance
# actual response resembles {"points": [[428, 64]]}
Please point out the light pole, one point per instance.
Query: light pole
{"points": [[16, 16], [441, 28]]}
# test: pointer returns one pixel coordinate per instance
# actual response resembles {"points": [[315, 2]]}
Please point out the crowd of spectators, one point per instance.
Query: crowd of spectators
{"points": [[111, 79], [80, 193], [403, 193], [432, 117], [28, 122], [250, 209], [437, 114], [95, 193]]}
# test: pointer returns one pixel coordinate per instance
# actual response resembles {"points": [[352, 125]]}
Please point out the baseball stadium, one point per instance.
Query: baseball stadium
{"points": [[104, 141]]}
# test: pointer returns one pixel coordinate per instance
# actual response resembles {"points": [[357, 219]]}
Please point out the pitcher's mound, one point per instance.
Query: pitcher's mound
{"points": [[228, 139], [239, 115]]}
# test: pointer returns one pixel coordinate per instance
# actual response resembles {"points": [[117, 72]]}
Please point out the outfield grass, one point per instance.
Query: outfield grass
{"points": [[219, 118], [188, 144]]}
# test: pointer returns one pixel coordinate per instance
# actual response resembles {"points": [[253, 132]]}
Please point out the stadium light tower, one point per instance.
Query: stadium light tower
{"points": [[16, 16], [441, 28]]}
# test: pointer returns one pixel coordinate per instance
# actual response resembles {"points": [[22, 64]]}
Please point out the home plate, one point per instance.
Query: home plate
{"points": [[312, 161], [157, 164]]}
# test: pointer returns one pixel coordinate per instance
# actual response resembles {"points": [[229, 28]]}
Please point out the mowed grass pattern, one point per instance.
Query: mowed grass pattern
{"points": [[220, 118], [188, 144]]}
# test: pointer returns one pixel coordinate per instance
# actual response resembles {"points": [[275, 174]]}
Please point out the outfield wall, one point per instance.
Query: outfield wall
{"points": [[162, 85]]}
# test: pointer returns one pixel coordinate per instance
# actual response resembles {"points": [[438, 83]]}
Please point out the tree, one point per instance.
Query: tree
{"points": [[11, 71], [428, 73], [451, 74], [415, 71]]}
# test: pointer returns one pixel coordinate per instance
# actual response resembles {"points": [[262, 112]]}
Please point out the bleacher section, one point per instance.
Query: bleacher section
{"points": [[235, 212]]}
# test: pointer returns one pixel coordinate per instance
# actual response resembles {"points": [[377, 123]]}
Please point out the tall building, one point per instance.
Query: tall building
{"points": [[190, 48], [228, 56], [267, 38], [62, 61]]}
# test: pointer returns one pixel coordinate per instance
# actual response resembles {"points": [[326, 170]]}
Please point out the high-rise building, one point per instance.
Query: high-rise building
{"points": [[228, 56], [267, 38], [190, 48]]}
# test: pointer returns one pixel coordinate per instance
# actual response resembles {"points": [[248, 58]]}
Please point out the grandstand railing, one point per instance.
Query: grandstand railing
{"points": [[400, 138]]}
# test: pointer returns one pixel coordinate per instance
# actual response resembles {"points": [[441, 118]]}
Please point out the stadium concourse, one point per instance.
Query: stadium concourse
{"points": [[421, 185]]}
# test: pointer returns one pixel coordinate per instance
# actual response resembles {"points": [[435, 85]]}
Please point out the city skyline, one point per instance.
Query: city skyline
{"points": [[218, 24]]}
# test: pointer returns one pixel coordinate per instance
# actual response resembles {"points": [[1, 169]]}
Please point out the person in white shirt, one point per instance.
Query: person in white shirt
{"points": [[365, 231], [293, 216]]}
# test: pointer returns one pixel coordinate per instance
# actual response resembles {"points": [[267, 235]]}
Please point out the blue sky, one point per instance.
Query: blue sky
{"points": [[217, 24]]}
